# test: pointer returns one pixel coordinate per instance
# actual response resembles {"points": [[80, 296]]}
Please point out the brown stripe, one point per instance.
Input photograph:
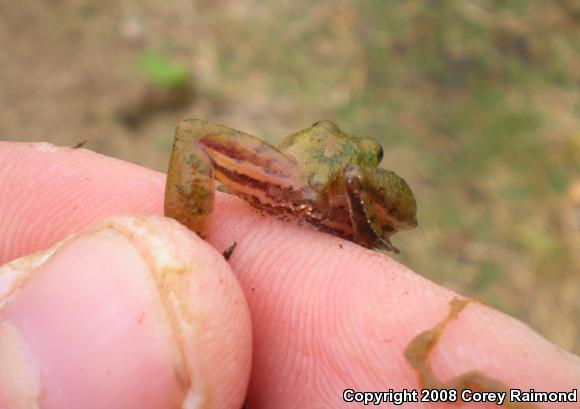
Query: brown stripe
{"points": [[286, 213], [282, 207], [280, 202], [244, 155], [274, 192]]}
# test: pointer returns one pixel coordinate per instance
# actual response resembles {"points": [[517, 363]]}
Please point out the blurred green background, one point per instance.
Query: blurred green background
{"points": [[477, 104]]}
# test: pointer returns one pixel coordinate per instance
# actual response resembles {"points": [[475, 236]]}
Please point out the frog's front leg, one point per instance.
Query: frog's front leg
{"points": [[365, 222], [244, 164]]}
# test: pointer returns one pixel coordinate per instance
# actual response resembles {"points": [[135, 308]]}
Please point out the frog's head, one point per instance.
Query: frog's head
{"points": [[365, 151]]}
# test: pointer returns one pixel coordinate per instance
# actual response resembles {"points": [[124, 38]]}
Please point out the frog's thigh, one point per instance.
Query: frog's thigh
{"points": [[189, 190], [237, 155], [244, 163]]}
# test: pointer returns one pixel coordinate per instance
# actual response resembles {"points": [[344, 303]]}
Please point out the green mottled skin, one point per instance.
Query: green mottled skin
{"points": [[319, 176], [323, 149]]}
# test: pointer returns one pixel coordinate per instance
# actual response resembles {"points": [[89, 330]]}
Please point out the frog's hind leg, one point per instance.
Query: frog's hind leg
{"points": [[247, 166], [367, 230], [189, 189], [267, 179]]}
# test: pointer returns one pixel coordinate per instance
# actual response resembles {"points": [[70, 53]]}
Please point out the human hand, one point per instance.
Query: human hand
{"points": [[327, 315]]}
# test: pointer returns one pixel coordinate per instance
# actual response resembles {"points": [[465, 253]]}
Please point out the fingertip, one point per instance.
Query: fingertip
{"points": [[132, 312]]}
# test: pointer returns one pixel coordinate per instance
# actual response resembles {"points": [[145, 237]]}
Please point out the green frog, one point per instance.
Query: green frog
{"points": [[319, 176]]}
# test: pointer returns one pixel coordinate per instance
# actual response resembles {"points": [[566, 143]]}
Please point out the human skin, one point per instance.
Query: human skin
{"points": [[326, 314]]}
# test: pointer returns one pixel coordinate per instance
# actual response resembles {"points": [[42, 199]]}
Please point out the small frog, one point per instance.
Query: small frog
{"points": [[319, 176]]}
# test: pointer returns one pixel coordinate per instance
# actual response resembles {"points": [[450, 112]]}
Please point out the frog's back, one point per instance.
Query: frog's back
{"points": [[320, 152]]}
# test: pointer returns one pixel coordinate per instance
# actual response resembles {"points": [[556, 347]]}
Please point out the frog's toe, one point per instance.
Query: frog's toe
{"points": [[383, 243]]}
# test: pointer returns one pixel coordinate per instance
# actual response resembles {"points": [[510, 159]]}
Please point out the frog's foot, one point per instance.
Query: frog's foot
{"points": [[367, 230], [383, 243], [189, 189]]}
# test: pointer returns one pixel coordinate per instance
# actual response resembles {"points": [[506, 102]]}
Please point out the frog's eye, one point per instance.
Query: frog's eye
{"points": [[371, 150], [380, 153]]}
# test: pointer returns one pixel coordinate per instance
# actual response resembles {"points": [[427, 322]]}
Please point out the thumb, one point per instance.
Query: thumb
{"points": [[134, 312]]}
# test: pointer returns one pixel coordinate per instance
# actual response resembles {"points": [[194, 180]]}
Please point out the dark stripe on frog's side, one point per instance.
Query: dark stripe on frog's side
{"points": [[301, 217], [277, 196], [279, 206], [278, 211], [253, 157], [301, 214], [282, 195]]}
